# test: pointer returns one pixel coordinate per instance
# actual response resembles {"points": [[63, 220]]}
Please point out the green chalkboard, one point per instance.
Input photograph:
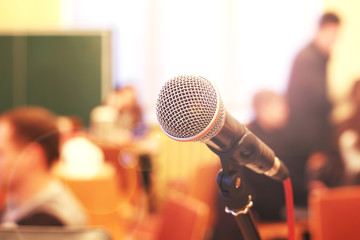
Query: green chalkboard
{"points": [[6, 73], [63, 72]]}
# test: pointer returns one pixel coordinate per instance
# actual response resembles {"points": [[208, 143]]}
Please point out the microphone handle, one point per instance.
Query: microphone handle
{"points": [[237, 146]]}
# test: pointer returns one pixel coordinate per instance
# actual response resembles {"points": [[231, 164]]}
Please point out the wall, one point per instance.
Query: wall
{"points": [[30, 13], [345, 67]]}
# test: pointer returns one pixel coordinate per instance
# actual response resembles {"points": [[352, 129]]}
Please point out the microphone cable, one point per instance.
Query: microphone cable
{"points": [[289, 201]]}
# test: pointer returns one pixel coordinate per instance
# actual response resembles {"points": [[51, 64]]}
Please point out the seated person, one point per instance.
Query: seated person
{"points": [[120, 118], [29, 145], [349, 139], [80, 157], [270, 116]]}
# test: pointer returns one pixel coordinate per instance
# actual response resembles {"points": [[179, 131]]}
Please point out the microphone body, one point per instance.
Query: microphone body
{"points": [[238, 146], [189, 108]]}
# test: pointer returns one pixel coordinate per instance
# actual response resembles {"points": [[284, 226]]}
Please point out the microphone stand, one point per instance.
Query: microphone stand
{"points": [[238, 203]]}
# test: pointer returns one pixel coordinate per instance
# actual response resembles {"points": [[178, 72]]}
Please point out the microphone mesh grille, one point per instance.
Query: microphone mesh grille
{"points": [[186, 106]]}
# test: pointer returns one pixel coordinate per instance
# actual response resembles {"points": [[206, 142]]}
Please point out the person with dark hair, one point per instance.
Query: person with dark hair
{"points": [[29, 145], [329, 18], [130, 115], [307, 97], [309, 125]]}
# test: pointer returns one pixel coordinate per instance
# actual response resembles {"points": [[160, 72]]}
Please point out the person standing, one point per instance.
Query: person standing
{"points": [[309, 126], [307, 97]]}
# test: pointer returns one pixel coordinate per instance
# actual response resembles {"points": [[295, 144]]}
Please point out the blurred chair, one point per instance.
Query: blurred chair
{"points": [[203, 186], [279, 230], [54, 233], [102, 200], [335, 213], [124, 159], [182, 217]]}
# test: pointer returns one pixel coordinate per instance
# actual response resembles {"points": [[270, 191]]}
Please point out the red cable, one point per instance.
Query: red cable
{"points": [[290, 217]]}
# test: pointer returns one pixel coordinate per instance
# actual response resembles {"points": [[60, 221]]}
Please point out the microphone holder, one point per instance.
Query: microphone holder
{"points": [[238, 202]]}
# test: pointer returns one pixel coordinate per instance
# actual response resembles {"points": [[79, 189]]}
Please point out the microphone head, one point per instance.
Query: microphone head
{"points": [[190, 109]]}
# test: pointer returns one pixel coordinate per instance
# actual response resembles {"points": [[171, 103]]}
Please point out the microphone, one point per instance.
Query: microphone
{"points": [[190, 109]]}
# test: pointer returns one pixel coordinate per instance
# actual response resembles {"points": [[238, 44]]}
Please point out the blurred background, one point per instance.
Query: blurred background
{"points": [[71, 56], [224, 41]]}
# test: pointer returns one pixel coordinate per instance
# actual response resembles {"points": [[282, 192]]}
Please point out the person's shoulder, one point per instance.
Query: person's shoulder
{"points": [[59, 201], [41, 219], [307, 53]]}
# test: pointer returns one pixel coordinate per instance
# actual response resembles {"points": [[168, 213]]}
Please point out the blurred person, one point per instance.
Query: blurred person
{"points": [[310, 107], [130, 112], [103, 124], [324, 171], [120, 117], [271, 113], [131, 119], [69, 126], [267, 194], [310, 132], [349, 139], [80, 156], [123, 115], [29, 145]]}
